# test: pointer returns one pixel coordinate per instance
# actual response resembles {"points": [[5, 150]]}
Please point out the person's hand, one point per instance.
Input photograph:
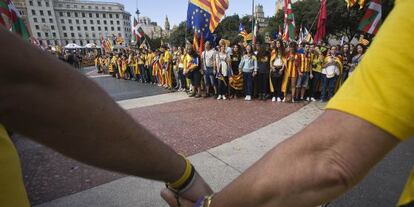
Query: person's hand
{"points": [[254, 73], [169, 197], [199, 188], [311, 76]]}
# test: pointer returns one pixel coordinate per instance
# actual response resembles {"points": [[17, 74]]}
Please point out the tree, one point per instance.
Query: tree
{"points": [[179, 35]]}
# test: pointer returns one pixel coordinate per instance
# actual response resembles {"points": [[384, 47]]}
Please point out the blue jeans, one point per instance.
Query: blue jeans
{"points": [[181, 78], [328, 84], [209, 77], [248, 83], [315, 83]]}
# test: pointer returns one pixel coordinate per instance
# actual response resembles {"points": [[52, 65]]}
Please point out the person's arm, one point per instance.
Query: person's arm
{"points": [[312, 167], [64, 110]]}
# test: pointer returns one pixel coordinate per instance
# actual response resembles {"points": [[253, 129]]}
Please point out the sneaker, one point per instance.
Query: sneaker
{"points": [[293, 100], [248, 98], [308, 99], [274, 99], [279, 100], [313, 99], [218, 97], [245, 98], [284, 100], [197, 96], [224, 97]]}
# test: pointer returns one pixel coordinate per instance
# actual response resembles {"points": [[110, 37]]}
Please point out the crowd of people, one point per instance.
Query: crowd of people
{"points": [[280, 71]]}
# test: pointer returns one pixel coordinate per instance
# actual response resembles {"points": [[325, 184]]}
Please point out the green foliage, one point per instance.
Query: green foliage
{"points": [[179, 35]]}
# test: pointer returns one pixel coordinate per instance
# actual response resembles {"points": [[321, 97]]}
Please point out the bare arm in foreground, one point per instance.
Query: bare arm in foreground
{"points": [[50, 102], [314, 166]]}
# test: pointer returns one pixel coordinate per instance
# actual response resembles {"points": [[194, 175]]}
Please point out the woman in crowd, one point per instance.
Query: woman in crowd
{"points": [[223, 72], [248, 66], [346, 61], [181, 77], [277, 67], [192, 68], [235, 62], [291, 73], [263, 64], [360, 50], [316, 76], [331, 71]]}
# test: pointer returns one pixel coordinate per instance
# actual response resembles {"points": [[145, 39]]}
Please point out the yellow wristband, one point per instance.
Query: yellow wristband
{"points": [[184, 177]]}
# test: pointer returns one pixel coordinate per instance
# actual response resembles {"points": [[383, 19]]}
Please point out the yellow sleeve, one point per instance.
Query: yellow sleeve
{"points": [[12, 191], [381, 90]]}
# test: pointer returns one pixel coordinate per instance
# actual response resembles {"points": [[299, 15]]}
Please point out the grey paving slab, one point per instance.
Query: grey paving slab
{"points": [[243, 152]]}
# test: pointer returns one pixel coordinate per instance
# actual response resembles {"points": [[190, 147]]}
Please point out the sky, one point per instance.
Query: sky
{"points": [[176, 10]]}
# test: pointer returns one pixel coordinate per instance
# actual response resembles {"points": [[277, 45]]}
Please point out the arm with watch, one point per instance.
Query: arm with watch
{"points": [[75, 116]]}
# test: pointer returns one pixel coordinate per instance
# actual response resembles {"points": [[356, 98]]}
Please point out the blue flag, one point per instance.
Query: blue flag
{"points": [[198, 20]]}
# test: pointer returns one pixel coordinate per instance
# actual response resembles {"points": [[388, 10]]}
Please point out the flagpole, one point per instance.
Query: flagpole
{"points": [[314, 20], [253, 15]]}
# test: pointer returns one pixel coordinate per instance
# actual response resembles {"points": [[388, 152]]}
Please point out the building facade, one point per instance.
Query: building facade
{"points": [[152, 29], [59, 22], [260, 16]]}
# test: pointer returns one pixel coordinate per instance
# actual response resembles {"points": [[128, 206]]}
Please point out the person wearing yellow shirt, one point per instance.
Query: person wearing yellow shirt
{"points": [[316, 75], [331, 70], [181, 77], [148, 63], [98, 63], [290, 72], [167, 67], [368, 117]]}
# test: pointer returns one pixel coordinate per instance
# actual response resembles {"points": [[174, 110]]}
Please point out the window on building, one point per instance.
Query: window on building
{"points": [[68, 14], [65, 34], [117, 22], [54, 34], [99, 28], [35, 19], [96, 7], [97, 15], [93, 28], [86, 35], [76, 14], [90, 15], [117, 16], [89, 7], [75, 6], [72, 34], [112, 29], [47, 3], [37, 27], [83, 15], [84, 21], [85, 28], [71, 28], [46, 34], [109, 8], [62, 21], [106, 28], [80, 34], [110, 15], [82, 7], [39, 34], [31, 3], [98, 21], [79, 28], [104, 22], [52, 27], [91, 21], [93, 35], [77, 21], [112, 22], [103, 8], [63, 27], [119, 28], [49, 13], [39, 3], [51, 20], [61, 14], [104, 15], [67, 6], [43, 20], [33, 12]]}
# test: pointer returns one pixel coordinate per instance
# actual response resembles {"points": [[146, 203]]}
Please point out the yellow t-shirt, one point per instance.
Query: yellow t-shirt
{"points": [[12, 191], [167, 57], [381, 90]]}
